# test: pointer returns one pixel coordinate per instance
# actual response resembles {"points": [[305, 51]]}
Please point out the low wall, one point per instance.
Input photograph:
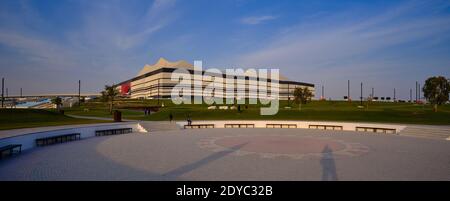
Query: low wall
{"points": [[28, 140], [347, 126]]}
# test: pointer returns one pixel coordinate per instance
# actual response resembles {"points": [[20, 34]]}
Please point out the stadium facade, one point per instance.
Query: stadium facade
{"points": [[154, 81]]}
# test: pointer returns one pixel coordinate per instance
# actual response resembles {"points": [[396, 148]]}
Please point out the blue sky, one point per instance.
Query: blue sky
{"points": [[46, 46]]}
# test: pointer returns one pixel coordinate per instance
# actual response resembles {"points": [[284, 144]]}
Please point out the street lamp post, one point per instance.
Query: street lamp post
{"points": [[158, 92], [348, 90], [3, 88], [394, 95], [419, 92], [416, 91], [79, 93], [323, 93], [410, 95], [361, 98]]}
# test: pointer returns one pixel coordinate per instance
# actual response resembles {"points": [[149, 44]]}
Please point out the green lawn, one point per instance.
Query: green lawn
{"points": [[315, 110], [28, 118]]}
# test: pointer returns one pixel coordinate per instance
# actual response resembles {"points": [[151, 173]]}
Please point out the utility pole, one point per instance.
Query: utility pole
{"points": [[419, 92], [3, 88], [323, 93], [361, 98], [348, 90], [372, 92], [7, 92], [158, 92], [416, 91], [289, 95], [394, 95], [410, 95], [79, 93]]}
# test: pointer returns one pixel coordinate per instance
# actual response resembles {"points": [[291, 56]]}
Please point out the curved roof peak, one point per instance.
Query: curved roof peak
{"points": [[164, 63], [161, 63]]}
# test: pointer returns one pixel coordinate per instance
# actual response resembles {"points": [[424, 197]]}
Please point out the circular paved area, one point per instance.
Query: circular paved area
{"points": [[280, 144], [236, 154], [292, 146]]}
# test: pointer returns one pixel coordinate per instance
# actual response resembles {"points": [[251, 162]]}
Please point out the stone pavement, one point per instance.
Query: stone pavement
{"points": [[236, 154], [427, 131]]}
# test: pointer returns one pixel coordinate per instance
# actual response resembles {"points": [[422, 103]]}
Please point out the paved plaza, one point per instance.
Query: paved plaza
{"points": [[236, 154]]}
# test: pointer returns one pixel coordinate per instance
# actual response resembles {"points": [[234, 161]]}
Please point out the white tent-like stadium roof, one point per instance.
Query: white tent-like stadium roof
{"points": [[163, 63]]}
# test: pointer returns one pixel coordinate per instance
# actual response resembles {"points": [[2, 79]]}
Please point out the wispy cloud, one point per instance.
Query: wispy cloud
{"points": [[386, 45], [107, 38], [105, 42], [253, 20], [111, 25]]}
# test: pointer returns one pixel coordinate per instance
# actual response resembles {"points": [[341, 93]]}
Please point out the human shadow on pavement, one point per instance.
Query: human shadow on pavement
{"points": [[328, 165]]}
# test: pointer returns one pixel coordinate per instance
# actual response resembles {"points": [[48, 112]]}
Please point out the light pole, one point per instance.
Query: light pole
{"points": [[3, 88], [289, 96], [158, 92], [348, 90], [361, 98], [419, 92], [79, 93], [323, 93], [410, 95], [416, 91], [394, 95]]}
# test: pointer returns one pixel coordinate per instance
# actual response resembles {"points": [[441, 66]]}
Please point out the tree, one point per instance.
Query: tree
{"points": [[301, 96], [58, 102], [104, 97], [109, 94], [436, 90]]}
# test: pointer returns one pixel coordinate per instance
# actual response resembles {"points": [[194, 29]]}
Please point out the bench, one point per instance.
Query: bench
{"points": [[57, 139], [281, 125], [325, 127], [199, 126], [376, 130], [239, 125], [116, 131], [10, 149]]}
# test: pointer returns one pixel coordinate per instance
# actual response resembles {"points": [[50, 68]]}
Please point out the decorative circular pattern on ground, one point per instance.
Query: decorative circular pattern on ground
{"points": [[292, 146]]}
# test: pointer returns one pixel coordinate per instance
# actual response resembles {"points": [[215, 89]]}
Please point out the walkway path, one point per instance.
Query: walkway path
{"points": [[95, 118]]}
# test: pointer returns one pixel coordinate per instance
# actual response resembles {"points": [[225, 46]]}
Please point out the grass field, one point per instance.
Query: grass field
{"points": [[28, 118], [315, 110]]}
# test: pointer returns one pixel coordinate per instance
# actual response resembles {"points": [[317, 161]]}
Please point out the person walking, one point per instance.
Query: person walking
{"points": [[170, 117], [189, 120]]}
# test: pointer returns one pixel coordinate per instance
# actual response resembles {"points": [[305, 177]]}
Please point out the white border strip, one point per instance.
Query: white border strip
{"points": [[346, 126]]}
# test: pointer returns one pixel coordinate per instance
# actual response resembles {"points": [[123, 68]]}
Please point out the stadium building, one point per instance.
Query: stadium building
{"points": [[154, 81]]}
